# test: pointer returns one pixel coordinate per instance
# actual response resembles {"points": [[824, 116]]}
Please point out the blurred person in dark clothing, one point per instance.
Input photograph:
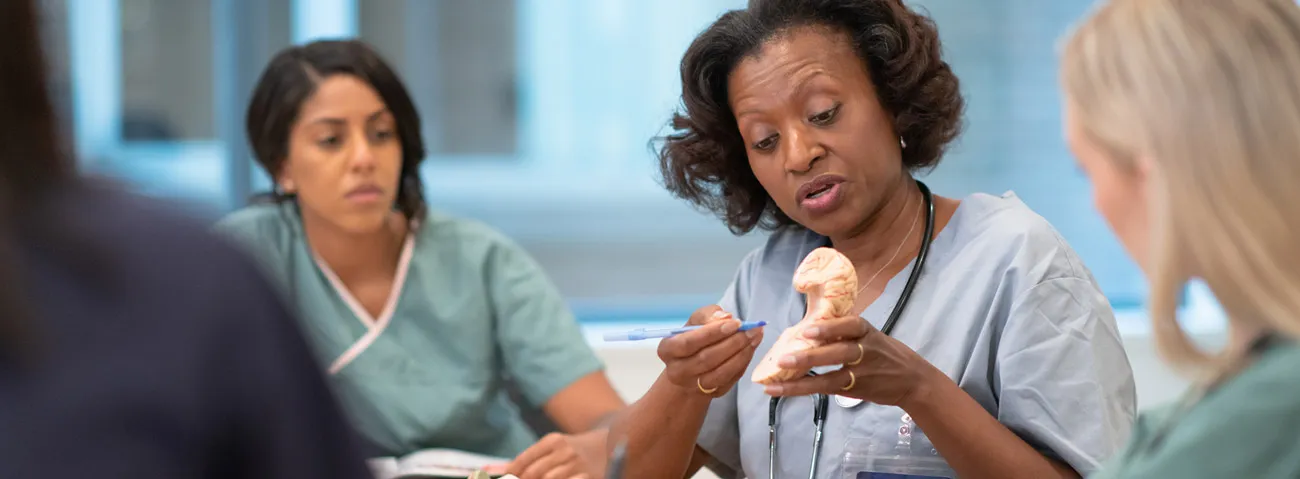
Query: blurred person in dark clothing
{"points": [[133, 344]]}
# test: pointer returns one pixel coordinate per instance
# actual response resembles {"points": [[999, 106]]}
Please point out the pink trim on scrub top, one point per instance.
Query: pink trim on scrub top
{"points": [[374, 326]]}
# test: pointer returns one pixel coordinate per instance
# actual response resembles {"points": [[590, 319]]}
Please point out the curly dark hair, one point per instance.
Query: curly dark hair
{"points": [[704, 161]]}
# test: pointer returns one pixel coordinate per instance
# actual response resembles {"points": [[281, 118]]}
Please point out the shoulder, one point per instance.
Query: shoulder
{"points": [[1002, 235], [448, 227], [134, 225], [1250, 427], [446, 231], [162, 251], [1273, 372], [471, 244], [267, 232], [265, 221], [781, 254]]}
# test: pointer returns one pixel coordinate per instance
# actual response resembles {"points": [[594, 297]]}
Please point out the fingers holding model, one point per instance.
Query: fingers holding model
{"points": [[873, 366]]}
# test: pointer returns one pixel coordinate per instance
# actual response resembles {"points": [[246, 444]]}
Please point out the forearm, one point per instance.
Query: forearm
{"points": [[661, 429], [588, 404], [602, 422], [971, 440]]}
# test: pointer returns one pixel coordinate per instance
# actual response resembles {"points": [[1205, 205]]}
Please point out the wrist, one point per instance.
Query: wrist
{"points": [[680, 395], [929, 388]]}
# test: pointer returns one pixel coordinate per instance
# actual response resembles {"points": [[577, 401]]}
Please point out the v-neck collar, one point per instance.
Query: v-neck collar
{"points": [[894, 284], [374, 325]]}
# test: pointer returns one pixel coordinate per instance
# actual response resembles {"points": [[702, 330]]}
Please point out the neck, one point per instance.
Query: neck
{"points": [[874, 243], [352, 255]]}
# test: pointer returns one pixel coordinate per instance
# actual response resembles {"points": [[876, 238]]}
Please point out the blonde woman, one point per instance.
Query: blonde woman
{"points": [[1185, 114]]}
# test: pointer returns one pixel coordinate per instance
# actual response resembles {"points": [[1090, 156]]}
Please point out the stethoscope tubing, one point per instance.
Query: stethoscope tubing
{"points": [[822, 404]]}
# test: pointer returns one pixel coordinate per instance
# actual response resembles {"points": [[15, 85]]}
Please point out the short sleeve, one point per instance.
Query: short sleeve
{"points": [[1063, 379], [720, 433], [543, 347]]}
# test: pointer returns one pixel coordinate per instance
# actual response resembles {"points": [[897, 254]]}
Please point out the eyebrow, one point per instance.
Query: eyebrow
{"points": [[329, 120], [799, 90]]}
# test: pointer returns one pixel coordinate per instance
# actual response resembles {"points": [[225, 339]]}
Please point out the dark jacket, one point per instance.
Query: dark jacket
{"points": [[158, 351]]}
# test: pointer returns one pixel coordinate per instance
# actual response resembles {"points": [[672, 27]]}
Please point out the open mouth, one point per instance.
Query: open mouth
{"points": [[822, 194], [819, 191]]}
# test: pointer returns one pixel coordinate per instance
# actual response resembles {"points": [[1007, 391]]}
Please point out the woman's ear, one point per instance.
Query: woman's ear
{"points": [[285, 180]]}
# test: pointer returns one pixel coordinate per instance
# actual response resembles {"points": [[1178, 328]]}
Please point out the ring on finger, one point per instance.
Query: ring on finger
{"points": [[702, 389], [861, 354], [853, 380]]}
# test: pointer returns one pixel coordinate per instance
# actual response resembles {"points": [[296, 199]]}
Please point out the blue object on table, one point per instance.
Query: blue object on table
{"points": [[642, 333]]}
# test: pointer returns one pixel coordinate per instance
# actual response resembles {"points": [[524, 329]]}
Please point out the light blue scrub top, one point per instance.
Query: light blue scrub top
{"points": [[1003, 306], [473, 308]]}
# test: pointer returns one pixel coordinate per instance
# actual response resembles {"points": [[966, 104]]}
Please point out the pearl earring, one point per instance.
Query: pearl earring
{"points": [[902, 143]]}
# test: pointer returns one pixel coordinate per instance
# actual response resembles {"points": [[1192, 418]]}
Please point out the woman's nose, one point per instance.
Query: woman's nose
{"points": [[362, 156], [802, 150]]}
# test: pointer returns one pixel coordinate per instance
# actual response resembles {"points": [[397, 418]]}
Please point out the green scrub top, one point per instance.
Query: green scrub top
{"points": [[470, 308], [1248, 427]]}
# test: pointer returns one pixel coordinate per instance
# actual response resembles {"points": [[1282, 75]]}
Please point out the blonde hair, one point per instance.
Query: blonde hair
{"points": [[1209, 91]]}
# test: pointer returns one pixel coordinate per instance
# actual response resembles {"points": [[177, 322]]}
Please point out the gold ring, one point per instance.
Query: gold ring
{"points": [[853, 379], [861, 354], [701, 387]]}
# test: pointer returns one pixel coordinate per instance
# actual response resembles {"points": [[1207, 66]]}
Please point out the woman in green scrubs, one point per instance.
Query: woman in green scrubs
{"points": [[420, 317], [1185, 116]]}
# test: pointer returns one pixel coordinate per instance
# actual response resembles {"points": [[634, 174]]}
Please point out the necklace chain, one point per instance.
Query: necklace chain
{"points": [[910, 229]]}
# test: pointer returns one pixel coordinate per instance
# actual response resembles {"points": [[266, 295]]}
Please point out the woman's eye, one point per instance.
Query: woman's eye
{"points": [[825, 117], [766, 143], [328, 142]]}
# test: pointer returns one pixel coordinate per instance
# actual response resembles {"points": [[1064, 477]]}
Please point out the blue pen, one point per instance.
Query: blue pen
{"points": [[643, 333]]}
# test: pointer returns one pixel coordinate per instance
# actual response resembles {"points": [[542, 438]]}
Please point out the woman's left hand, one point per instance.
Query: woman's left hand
{"points": [[875, 367]]}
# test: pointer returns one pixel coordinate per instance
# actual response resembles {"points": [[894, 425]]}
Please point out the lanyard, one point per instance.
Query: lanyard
{"points": [[822, 403]]}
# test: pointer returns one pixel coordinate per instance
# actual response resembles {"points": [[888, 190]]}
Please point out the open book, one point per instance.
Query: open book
{"points": [[434, 464]]}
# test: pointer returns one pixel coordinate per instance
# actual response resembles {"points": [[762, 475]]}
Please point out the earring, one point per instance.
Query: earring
{"points": [[287, 186], [902, 143]]}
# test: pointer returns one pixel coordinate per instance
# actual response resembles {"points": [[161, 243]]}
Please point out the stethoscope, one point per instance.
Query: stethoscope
{"points": [[822, 403]]}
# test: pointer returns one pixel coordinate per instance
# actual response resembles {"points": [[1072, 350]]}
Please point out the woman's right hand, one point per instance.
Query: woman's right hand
{"points": [[709, 360]]}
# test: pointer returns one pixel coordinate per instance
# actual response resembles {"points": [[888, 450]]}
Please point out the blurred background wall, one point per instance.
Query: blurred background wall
{"points": [[538, 115]]}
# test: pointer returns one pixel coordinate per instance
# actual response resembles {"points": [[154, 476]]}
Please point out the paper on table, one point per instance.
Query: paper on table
{"points": [[433, 463]]}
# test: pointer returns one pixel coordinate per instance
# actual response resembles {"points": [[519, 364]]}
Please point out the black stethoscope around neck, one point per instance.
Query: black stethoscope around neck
{"points": [[822, 401]]}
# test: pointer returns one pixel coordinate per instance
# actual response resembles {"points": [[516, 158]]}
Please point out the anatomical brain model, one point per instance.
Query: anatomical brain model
{"points": [[831, 285]]}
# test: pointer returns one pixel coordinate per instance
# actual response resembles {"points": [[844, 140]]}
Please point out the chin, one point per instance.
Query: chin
{"points": [[836, 224], [363, 223]]}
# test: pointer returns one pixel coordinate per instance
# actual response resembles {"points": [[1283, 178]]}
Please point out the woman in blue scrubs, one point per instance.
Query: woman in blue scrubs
{"points": [[420, 317], [809, 118]]}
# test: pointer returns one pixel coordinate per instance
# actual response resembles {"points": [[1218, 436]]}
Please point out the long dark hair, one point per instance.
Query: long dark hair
{"points": [[292, 77], [33, 162]]}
